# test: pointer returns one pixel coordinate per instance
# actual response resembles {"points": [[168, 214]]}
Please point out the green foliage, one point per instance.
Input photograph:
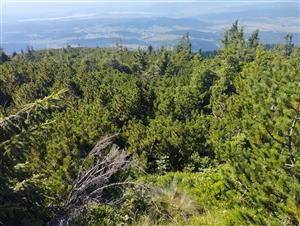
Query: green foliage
{"points": [[3, 56], [22, 199], [214, 138]]}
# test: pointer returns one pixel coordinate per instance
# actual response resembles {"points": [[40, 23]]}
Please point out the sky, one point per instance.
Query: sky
{"points": [[24, 9]]}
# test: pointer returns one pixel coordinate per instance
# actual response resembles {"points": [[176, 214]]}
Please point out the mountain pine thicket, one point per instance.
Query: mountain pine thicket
{"points": [[108, 136]]}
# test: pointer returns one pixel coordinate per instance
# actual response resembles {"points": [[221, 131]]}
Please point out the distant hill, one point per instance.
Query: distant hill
{"points": [[138, 25]]}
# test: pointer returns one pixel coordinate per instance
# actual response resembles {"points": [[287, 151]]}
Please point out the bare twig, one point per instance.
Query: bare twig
{"points": [[90, 184]]}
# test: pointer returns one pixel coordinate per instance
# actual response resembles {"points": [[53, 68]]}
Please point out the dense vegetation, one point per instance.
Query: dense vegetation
{"points": [[213, 139]]}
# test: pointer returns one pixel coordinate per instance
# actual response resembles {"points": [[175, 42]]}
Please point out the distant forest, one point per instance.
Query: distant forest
{"points": [[109, 136]]}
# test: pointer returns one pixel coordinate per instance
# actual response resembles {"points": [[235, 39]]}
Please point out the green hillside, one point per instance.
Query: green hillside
{"points": [[109, 136]]}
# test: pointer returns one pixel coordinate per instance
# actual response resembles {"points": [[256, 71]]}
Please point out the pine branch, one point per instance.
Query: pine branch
{"points": [[32, 112]]}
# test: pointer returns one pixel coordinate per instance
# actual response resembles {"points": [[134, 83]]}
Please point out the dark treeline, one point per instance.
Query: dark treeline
{"points": [[198, 139]]}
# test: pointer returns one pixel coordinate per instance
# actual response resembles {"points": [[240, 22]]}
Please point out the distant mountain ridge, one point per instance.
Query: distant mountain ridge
{"points": [[138, 25]]}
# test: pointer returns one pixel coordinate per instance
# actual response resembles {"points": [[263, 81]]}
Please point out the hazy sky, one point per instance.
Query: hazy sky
{"points": [[25, 9]]}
